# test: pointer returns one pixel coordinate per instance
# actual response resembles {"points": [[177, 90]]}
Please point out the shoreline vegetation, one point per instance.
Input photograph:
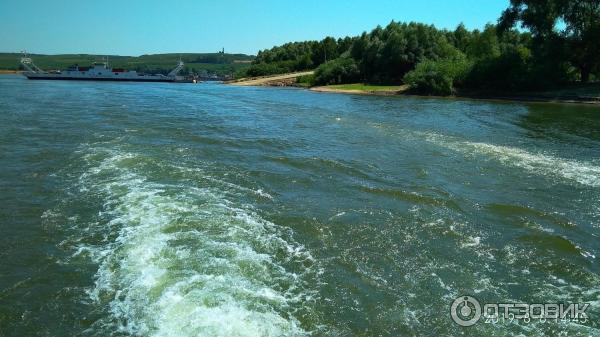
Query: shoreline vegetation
{"points": [[537, 51]]}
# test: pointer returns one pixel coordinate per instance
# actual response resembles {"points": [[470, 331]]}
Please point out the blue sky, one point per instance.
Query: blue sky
{"points": [[135, 27]]}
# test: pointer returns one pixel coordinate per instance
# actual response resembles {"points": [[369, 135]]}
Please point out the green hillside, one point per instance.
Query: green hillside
{"points": [[212, 63]]}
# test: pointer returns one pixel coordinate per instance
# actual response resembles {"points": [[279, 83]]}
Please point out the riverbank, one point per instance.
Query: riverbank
{"points": [[9, 71], [571, 94], [578, 94]]}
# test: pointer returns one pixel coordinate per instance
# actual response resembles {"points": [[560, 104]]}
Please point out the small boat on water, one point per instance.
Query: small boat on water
{"points": [[101, 71]]}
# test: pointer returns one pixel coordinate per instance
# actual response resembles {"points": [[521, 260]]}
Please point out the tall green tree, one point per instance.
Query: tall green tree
{"points": [[461, 37], [576, 23], [325, 50], [484, 44]]}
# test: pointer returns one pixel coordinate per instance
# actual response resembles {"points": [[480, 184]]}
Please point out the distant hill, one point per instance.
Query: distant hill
{"points": [[212, 63]]}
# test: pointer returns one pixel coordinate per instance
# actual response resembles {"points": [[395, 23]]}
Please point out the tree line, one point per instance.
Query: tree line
{"points": [[534, 45]]}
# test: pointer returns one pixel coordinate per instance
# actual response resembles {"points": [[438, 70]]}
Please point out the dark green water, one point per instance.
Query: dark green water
{"points": [[208, 210]]}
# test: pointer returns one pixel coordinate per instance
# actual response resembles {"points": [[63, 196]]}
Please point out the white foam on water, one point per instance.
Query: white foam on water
{"points": [[472, 241], [188, 262], [584, 173]]}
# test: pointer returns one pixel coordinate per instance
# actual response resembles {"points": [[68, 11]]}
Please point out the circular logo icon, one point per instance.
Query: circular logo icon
{"points": [[465, 311]]}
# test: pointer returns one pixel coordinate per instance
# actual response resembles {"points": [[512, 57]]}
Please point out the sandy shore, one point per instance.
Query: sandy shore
{"points": [[277, 80], [9, 71], [385, 92]]}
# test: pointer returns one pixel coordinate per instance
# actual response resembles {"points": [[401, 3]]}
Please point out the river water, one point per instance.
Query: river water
{"points": [[140, 209]]}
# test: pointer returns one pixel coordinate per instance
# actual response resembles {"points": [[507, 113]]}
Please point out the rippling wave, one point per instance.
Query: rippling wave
{"points": [[584, 173]]}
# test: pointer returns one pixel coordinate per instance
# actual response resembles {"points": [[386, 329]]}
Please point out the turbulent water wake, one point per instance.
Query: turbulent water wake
{"points": [[584, 173], [186, 261]]}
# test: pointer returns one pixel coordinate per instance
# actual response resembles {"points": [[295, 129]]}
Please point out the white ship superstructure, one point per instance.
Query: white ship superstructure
{"points": [[99, 72]]}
